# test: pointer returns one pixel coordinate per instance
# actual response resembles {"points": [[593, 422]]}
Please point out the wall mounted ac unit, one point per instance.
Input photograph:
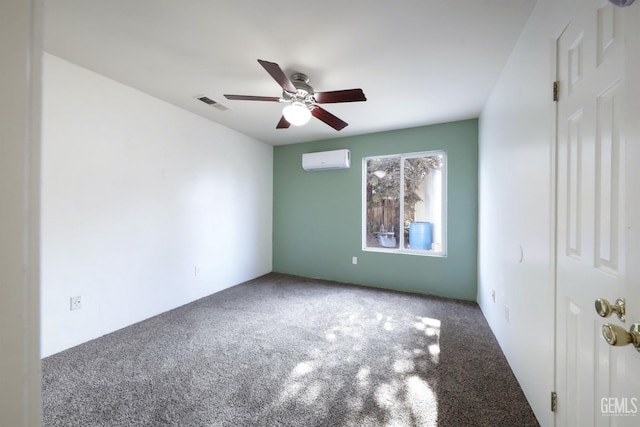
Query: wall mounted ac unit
{"points": [[336, 159]]}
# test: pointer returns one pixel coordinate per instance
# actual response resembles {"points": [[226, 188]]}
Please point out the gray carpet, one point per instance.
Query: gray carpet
{"points": [[288, 351]]}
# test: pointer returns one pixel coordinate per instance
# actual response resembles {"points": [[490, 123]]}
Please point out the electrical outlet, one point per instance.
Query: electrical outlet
{"points": [[493, 296], [75, 303], [354, 260], [196, 271], [506, 313]]}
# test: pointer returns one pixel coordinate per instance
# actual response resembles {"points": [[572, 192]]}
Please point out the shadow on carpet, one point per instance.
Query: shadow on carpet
{"points": [[289, 351]]}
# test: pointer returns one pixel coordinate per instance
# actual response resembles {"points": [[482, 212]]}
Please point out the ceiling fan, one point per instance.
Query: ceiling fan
{"points": [[302, 101]]}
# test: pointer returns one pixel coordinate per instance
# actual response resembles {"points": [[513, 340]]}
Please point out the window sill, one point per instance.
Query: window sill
{"points": [[406, 252]]}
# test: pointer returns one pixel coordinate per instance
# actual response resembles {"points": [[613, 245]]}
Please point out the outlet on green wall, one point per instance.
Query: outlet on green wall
{"points": [[317, 216]]}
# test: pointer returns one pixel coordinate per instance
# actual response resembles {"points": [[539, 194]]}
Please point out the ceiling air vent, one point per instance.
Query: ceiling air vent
{"points": [[211, 102]]}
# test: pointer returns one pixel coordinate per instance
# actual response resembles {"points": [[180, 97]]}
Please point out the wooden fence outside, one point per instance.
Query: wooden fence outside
{"points": [[384, 213]]}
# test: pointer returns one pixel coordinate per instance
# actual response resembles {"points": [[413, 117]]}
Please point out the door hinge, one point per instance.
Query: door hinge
{"points": [[554, 401], [556, 95]]}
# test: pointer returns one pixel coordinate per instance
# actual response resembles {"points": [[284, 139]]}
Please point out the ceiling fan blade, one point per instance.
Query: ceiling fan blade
{"points": [[347, 95], [252, 98], [322, 114], [278, 75], [283, 123]]}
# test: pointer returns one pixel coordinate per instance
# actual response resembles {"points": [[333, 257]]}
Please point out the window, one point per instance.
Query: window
{"points": [[404, 200]]}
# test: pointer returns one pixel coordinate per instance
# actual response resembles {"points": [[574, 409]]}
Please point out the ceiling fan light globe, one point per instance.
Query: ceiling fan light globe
{"points": [[297, 114]]}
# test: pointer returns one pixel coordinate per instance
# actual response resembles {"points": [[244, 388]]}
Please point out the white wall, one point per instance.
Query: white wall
{"points": [[517, 131], [137, 195], [20, 41]]}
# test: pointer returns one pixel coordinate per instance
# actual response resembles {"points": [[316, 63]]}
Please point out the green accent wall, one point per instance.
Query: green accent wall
{"points": [[317, 216]]}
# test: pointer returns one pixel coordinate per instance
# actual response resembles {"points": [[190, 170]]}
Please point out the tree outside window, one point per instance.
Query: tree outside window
{"points": [[417, 224]]}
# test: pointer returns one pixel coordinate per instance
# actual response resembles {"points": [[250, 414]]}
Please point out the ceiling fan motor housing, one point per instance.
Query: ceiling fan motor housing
{"points": [[622, 3], [305, 91], [301, 82]]}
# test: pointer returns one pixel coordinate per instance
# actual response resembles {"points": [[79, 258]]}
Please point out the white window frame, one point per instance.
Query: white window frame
{"points": [[401, 250]]}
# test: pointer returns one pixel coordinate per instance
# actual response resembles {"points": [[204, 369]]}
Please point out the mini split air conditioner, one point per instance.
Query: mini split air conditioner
{"points": [[336, 159]]}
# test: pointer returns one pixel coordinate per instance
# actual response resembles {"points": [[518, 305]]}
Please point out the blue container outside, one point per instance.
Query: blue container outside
{"points": [[420, 235]]}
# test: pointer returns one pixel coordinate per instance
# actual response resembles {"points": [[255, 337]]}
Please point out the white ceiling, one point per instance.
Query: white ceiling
{"points": [[418, 62]]}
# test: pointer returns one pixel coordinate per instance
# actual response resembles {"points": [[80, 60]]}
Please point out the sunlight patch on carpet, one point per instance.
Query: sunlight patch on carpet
{"points": [[302, 368], [393, 383]]}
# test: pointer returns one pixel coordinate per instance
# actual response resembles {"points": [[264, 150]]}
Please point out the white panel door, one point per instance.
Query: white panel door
{"points": [[598, 179]]}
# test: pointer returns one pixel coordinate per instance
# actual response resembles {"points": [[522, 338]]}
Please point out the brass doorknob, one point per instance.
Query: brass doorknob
{"points": [[617, 336], [605, 309]]}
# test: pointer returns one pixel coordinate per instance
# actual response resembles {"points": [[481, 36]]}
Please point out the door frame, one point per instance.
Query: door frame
{"points": [[21, 46], [553, 250]]}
